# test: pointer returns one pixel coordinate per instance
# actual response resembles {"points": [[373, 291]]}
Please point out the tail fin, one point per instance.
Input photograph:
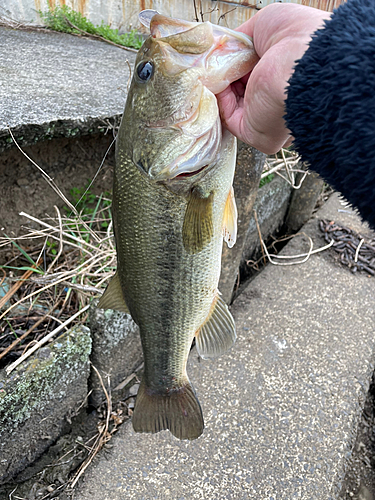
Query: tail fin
{"points": [[179, 411]]}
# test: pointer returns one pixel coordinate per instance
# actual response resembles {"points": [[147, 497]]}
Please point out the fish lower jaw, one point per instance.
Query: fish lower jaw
{"points": [[184, 175], [183, 183]]}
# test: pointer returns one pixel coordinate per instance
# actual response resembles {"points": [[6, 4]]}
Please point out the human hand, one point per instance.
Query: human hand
{"points": [[253, 108]]}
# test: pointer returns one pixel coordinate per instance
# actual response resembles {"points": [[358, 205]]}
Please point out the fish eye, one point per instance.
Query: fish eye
{"points": [[145, 70]]}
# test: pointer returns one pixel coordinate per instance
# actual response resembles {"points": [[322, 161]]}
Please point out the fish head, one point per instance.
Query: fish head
{"points": [[172, 124]]}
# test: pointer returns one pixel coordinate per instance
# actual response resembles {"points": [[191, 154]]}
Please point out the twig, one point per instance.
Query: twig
{"points": [[69, 273], [201, 10], [4, 276], [109, 235], [76, 286], [271, 171], [55, 229], [317, 250], [302, 179], [195, 11], [9, 22], [23, 336], [125, 382], [260, 235], [83, 402], [61, 242], [290, 256], [225, 13], [291, 177], [18, 284], [45, 339], [104, 435], [305, 255], [54, 491], [358, 249], [100, 167], [11, 493], [285, 163]]}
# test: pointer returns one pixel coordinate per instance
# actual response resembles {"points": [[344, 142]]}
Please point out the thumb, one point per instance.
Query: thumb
{"points": [[231, 110]]}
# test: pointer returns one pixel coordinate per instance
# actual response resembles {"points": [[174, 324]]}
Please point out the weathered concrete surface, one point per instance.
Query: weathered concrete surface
{"points": [[303, 200], [58, 85], [249, 168], [281, 408], [124, 13], [37, 396], [271, 206], [116, 349], [120, 13]]}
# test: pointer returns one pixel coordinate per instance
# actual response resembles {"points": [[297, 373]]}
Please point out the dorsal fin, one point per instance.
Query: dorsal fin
{"points": [[113, 297], [218, 332]]}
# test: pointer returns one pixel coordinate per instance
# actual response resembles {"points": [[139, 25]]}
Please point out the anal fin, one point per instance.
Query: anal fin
{"points": [[197, 230], [218, 332], [113, 297]]}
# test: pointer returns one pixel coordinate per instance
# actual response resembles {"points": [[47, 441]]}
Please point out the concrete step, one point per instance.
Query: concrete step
{"points": [[281, 408], [58, 85]]}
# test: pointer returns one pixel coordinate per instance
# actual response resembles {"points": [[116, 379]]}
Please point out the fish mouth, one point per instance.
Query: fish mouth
{"points": [[185, 175], [182, 183]]}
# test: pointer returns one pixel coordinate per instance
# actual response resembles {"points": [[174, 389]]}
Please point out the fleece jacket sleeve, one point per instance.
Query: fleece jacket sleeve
{"points": [[330, 106]]}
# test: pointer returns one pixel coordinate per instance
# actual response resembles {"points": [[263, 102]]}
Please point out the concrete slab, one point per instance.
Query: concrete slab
{"points": [[281, 408], [58, 85], [38, 396]]}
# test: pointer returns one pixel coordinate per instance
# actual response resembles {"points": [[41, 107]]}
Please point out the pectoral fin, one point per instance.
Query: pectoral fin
{"points": [[230, 220], [218, 332], [113, 298], [198, 229]]}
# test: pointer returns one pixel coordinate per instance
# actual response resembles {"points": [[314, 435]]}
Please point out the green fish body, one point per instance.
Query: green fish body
{"points": [[172, 204]]}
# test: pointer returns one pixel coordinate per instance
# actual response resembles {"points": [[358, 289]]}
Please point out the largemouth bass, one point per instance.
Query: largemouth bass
{"points": [[173, 203]]}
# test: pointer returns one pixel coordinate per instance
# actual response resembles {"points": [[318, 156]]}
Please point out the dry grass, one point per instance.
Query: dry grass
{"points": [[287, 164], [74, 260]]}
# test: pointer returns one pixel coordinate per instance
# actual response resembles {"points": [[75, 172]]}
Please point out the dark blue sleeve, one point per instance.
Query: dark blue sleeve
{"points": [[330, 106]]}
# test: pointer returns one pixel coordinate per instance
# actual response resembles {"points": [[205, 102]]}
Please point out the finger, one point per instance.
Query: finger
{"points": [[231, 109]]}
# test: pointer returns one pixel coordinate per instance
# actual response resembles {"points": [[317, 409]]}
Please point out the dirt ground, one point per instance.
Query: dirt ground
{"points": [[72, 163]]}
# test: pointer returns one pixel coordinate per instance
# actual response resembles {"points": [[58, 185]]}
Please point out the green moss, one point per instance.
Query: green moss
{"points": [[266, 180], [45, 377]]}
